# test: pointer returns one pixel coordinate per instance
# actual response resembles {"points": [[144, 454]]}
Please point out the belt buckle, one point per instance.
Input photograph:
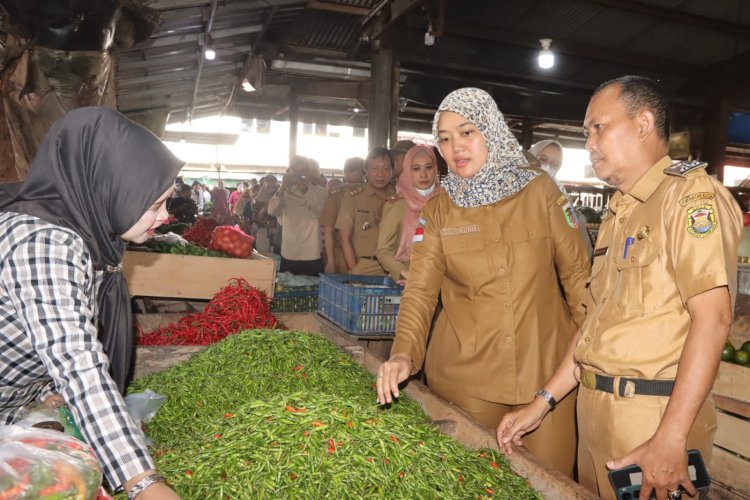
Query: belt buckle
{"points": [[588, 379], [629, 389]]}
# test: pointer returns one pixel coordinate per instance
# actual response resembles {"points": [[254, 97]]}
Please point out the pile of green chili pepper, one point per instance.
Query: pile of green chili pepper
{"points": [[279, 414], [237, 306]]}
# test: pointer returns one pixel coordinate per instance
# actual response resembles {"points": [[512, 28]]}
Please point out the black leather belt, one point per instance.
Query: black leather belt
{"points": [[628, 387], [369, 257]]}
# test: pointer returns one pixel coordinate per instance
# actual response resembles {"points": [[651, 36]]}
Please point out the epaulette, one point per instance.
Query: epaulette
{"points": [[357, 190], [683, 167]]}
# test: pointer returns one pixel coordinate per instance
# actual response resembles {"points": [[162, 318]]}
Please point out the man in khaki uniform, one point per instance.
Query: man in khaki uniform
{"points": [[659, 303], [354, 175], [359, 217]]}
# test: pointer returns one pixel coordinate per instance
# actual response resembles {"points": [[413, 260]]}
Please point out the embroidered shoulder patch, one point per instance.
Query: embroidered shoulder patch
{"points": [[455, 231], [561, 200], [695, 197], [570, 215], [701, 220], [683, 167]]}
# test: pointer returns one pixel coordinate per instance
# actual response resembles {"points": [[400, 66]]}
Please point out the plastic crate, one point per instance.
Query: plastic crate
{"points": [[361, 305], [295, 299]]}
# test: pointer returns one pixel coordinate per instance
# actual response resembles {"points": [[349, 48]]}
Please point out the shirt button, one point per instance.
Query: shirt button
{"points": [[506, 305], [622, 219], [509, 339], [587, 339], [496, 238], [614, 259], [501, 271], [489, 208], [604, 300], [632, 259], [532, 233]]}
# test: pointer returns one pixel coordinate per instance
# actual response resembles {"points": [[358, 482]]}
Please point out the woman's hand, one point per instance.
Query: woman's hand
{"points": [[515, 424], [391, 373]]}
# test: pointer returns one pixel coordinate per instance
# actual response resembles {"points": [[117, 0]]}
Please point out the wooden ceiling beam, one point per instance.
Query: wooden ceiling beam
{"points": [[338, 7], [340, 90], [677, 16]]}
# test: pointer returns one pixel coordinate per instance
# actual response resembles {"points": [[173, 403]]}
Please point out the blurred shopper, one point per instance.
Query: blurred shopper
{"points": [[354, 175], [184, 209], [398, 152], [299, 201]]}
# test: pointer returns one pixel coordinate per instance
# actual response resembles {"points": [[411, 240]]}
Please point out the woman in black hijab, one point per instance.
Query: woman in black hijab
{"points": [[98, 181]]}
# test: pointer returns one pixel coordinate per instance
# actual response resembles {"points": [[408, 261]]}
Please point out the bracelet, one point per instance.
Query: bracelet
{"points": [[143, 484], [551, 401]]}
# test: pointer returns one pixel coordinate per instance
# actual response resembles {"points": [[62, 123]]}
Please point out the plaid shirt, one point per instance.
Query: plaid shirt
{"points": [[48, 341]]}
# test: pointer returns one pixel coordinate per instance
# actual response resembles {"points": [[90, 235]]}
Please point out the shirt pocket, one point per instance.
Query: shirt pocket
{"points": [[465, 257], [593, 284], [531, 248], [638, 290]]}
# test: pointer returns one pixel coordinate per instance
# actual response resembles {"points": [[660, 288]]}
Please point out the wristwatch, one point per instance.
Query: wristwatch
{"points": [[143, 484], [551, 401]]}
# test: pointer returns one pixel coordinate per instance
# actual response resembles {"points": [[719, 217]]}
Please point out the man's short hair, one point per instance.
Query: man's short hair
{"points": [[378, 152], [354, 164], [638, 93]]}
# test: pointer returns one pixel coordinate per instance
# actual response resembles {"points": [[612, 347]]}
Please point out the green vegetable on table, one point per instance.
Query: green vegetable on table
{"points": [[278, 414]]}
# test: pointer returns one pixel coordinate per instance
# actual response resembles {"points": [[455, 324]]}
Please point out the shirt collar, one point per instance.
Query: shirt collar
{"points": [[647, 184]]}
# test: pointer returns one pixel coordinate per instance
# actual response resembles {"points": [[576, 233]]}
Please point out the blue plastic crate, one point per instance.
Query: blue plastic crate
{"points": [[295, 298], [361, 305]]}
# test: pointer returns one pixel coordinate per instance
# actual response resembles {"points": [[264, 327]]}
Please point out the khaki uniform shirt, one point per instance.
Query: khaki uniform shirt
{"points": [[331, 212], [389, 237], [360, 213], [505, 324], [682, 232], [300, 232]]}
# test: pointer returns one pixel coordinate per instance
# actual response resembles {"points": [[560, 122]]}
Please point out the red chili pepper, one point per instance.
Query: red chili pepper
{"points": [[460, 478], [394, 439], [228, 415], [317, 423], [217, 435], [489, 491], [401, 474], [350, 424], [493, 465], [331, 446], [189, 473]]}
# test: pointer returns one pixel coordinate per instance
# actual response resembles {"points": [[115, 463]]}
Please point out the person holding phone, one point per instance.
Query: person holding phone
{"points": [[658, 305]]}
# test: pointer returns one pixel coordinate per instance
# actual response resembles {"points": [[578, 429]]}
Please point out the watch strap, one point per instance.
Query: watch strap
{"points": [[544, 394], [144, 483]]}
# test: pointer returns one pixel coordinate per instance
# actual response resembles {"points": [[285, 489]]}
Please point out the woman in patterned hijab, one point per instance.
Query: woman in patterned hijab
{"points": [[502, 174], [493, 245]]}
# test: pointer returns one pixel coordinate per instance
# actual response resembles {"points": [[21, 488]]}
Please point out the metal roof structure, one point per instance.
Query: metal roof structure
{"points": [[318, 54]]}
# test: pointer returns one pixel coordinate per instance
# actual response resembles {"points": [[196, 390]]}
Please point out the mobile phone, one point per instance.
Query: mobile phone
{"points": [[627, 481]]}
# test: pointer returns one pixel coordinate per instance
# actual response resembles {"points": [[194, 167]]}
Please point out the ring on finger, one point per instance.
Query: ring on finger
{"points": [[675, 495]]}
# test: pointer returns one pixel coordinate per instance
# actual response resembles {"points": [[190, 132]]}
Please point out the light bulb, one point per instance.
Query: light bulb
{"points": [[209, 54], [546, 56], [429, 39], [247, 86]]}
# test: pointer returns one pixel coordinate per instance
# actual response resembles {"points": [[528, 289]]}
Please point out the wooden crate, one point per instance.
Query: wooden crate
{"points": [[730, 464], [151, 274]]}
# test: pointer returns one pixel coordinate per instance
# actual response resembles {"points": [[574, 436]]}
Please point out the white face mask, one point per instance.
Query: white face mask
{"points": [[426, 192], [548, 168]]}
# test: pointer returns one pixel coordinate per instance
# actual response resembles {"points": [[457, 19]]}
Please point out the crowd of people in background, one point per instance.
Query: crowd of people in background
{"points": [[362, 223]]}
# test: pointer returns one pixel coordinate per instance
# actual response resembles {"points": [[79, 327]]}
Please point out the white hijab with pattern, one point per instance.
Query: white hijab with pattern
{"points": [[503, 174]]}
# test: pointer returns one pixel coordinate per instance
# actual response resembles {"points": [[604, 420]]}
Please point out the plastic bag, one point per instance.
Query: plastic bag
{"points": [[232, 241], [169, 238], [143, 406], [40, 463]]}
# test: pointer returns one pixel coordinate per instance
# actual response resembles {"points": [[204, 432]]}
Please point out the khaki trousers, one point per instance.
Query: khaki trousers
{"points": [[610, 426], [340, 261], [553, 442]]}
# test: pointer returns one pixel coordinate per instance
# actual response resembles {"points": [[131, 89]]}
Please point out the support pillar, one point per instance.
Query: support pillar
{"points": [[395, 105], [715, 136], [293, 123], [379, 110]]}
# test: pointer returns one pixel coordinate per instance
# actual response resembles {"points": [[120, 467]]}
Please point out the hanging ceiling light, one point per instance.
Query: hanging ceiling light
{"points": [[429, 38], [209, 53], [247, 86], [546, 56]]}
